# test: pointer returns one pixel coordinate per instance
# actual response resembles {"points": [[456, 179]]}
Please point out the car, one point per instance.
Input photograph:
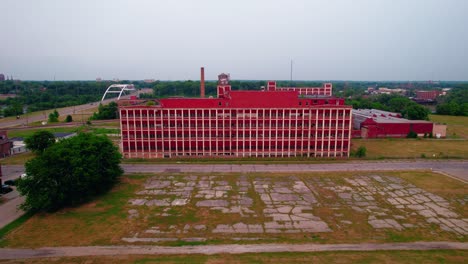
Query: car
{"points": [[5, 189], [10, 182]]}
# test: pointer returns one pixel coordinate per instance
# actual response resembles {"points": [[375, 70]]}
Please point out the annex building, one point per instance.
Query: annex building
{"points": [[272, 122], [373, 123]]}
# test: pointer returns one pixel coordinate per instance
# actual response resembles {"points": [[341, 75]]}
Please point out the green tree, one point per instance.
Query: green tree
{"points": [[53, 117], [69, 119], [416, 112], [40, 141], [109, 111], [70, 172]]}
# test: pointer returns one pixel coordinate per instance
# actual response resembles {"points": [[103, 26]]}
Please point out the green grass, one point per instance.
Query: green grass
{"points": [[457, 126], [95, 223], [17, 159], [13, 225], [412, 148], [24, 133]]}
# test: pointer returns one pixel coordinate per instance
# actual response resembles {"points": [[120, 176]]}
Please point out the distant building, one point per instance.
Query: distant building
{"points": [[2, 77], [385, 90], [5, 144], [149, 80], [98, 79], [374, 123], [428, 95]]}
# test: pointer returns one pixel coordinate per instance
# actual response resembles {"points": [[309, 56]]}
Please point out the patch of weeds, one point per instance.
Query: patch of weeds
{"points": [[181, 243], [399, 237], [315, 238]]}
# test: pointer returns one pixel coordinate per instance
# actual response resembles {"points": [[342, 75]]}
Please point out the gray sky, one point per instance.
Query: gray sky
{"points": [[251, 39]]}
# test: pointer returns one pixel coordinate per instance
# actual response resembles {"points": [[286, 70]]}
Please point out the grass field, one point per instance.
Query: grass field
{"points": [[106, 221], [29, 132], [457, 126], [412, 148], [433, 256]]}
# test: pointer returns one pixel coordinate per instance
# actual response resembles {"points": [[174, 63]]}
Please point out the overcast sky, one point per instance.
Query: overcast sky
{"points": [[250, 39]]}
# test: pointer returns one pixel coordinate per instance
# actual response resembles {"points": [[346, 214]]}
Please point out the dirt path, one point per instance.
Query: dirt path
{"points": [[8, 253]]}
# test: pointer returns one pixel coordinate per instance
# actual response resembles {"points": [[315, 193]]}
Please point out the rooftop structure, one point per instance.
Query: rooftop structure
{"points": [[270, 123], [326, 89]]}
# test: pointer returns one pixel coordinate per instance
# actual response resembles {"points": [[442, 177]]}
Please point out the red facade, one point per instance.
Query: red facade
{"points": [[427, 95], [380, 124], [237, 124], [325, 90]]}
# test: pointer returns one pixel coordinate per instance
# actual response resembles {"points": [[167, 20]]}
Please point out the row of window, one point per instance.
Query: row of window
{"points": [[239, 125], [202, 136], [246, 115], [245, 148]]}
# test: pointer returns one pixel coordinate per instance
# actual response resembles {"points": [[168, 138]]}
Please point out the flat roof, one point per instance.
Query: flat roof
{"points": [[380, 116]]}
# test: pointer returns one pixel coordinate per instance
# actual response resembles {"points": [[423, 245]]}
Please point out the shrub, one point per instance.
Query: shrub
{"points": [[360, 152]]}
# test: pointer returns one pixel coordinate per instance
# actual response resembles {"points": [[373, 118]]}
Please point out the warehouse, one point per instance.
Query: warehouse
{"points": [[374, 123], [269, 123]]}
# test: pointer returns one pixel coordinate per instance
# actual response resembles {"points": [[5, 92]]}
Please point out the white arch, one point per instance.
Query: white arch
{"points": [[120, 89]]}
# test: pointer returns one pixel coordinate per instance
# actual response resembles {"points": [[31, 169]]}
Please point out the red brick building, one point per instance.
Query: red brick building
{"points": [[5, 144], [427, 95], [270, 123], [373, 123]]}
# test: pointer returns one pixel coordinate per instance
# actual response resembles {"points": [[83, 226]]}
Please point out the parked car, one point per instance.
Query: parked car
{"points": [[5, 189], [10, 182]]}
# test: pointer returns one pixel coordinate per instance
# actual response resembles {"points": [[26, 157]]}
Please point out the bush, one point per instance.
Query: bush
{"points": [[70, 172], [412, 134], [360, 152], [69, 119]]}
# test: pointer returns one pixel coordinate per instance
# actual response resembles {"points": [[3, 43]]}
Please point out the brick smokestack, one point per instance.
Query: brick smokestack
{"points": [[202, 82]]}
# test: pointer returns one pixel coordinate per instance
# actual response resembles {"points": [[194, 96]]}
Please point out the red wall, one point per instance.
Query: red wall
{"points": [[376, 130]]}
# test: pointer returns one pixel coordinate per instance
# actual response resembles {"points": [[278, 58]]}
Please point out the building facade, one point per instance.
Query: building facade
{"points": [[270, 123], [373, 123], [325, 90]]}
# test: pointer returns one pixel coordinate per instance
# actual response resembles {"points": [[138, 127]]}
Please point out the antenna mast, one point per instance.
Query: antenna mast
{"points": [[291, 74]]}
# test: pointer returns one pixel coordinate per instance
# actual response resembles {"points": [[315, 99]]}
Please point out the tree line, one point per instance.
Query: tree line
{"points": [[33, 96], [455, 102], [393, 103]]}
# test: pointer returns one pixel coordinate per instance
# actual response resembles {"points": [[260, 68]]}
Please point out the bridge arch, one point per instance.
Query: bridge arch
{"points": [[118, 88]]}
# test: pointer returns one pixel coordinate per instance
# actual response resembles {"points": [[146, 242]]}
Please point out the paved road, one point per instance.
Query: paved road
{"points": [[30, 118], [7, 253], [454, 168]]}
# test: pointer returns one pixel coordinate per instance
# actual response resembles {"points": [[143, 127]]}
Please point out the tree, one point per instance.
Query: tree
{"points": [[416, 112], [109, 111], [69, 119], [53, 117], [40, 141], [70, 172]]}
